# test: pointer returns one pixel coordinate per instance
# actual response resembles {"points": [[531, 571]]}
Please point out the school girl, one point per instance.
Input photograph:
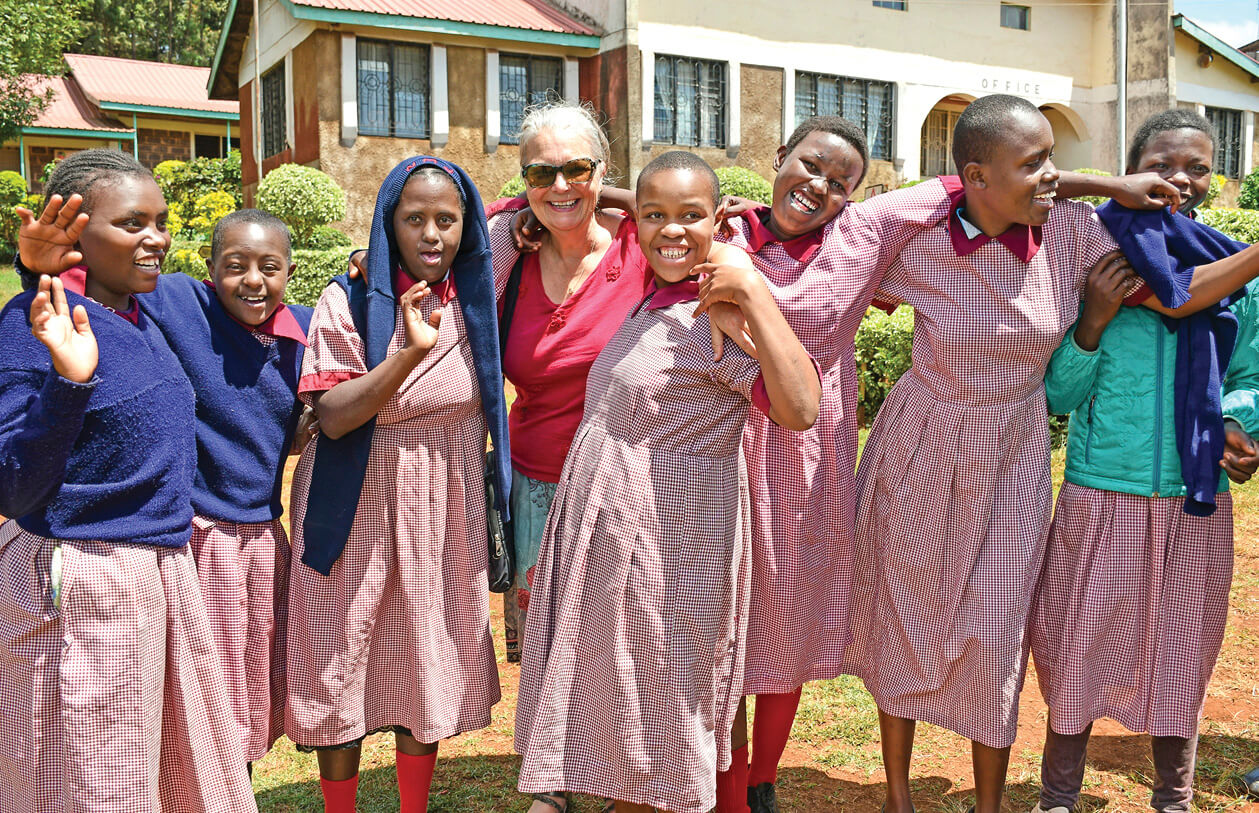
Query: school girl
{"points": [[388, 613], [954, 488], [1130, 613], [631, 675], [241, 348], [111, 694]]}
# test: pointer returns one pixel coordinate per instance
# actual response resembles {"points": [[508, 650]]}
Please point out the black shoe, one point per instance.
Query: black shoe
{"points": [[1250, 780], [763, 799]]}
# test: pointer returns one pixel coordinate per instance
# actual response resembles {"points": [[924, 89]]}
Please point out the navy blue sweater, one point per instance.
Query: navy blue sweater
{"points": [[109, 460], [247, 404]]}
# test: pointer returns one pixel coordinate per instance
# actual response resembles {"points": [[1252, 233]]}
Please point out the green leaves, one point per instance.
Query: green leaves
{"points": [[303, 197], [33, 35]]}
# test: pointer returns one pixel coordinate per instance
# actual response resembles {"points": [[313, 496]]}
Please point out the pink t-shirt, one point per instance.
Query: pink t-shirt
{"points": [[551, 347]]}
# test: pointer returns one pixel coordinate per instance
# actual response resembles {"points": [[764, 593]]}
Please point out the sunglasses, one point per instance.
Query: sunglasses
{"points": [[578, 170]]}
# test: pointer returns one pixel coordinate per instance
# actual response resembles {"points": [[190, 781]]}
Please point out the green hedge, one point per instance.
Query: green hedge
{"points": [[883, 355], [314, 269], [1240, 224], [745, 183]]}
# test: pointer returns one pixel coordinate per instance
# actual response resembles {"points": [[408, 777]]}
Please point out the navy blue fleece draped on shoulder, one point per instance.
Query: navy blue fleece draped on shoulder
{"points": [[340, 465]]}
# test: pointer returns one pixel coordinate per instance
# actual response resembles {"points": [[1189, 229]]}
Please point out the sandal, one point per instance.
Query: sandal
{"points": [[559, 801]]}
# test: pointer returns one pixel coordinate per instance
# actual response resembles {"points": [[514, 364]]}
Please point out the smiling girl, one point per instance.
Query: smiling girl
{"points": [[111, 693]]}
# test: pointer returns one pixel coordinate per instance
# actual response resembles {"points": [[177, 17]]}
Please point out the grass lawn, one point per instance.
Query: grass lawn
{"points": [[10, 285], [832, 762]]}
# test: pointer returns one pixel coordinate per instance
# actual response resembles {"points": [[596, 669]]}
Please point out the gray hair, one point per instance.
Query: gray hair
{"points": [[566, 116]]}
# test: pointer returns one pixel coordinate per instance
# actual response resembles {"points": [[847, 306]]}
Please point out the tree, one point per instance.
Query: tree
{"points": [[181, 31], [33, 35]]}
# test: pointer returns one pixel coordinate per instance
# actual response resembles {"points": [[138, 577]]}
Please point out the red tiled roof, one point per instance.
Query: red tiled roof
{"points": [[70, 109], [153, 84], [530, 14]]}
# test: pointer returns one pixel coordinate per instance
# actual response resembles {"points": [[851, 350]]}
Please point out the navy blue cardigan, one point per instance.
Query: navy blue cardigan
{"points": [[110, 460], [247, 406], [1164, 249]]}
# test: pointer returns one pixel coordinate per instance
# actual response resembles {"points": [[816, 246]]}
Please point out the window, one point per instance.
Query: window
{"points": [[1019, 17], [1228, 141], [209, 146], [273, 116], [522, 81], [690, 102], [937, 142], [894, 5], [864, 102], [393, 89]]}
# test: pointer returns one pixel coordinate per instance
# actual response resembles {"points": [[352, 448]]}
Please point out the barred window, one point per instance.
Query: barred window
{"points": [[1016, 17], [865, 102], [1228, 140], [522, 81], [690, 104], [273, 115], [393, 89], [894, 5]]}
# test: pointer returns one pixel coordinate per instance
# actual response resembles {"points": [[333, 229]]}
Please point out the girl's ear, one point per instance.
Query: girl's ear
{"points": [[209, 268], [292, 269], [780, 157]]}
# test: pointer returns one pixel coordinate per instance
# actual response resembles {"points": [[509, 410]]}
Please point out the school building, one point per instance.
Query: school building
{"points": [[154, 110], [353, 86]]}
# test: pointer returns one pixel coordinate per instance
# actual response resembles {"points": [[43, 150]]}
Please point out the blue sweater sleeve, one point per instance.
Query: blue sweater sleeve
{"points": [[1241, 384], [1071, 376], [41, 416]]}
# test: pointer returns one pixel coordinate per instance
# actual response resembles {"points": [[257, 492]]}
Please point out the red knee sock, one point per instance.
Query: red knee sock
{"points": [[732, 785], [338, 795], [771, 727], [415, 777]]}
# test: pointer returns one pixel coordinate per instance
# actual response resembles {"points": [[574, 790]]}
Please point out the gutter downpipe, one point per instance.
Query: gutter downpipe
{"points": [[1121, 80]]}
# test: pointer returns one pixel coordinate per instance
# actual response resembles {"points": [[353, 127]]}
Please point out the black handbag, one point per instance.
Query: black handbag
{"points": [[502, 545]]}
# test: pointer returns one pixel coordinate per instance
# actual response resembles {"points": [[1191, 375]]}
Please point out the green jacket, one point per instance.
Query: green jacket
{"points": [[1122, 435]]}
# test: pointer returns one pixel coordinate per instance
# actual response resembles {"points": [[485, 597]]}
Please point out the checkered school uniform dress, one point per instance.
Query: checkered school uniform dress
{"points": [[134, 715], [802, 485], [1130, 613], [631, 679], [954, 489], [398, 634]]}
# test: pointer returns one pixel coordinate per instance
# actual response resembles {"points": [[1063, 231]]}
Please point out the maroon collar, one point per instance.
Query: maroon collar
{"points": [[1022, 240], [279, 325], [686, 290], [402, 282], [75, 281], [800, 248]]}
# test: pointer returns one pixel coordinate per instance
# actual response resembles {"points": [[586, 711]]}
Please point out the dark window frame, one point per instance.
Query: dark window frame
{"points": [[846, 88], [1017, 14], [686, 122], [892, 5], [536, 91], [399, 104], [1229, 137], [274, 111]]}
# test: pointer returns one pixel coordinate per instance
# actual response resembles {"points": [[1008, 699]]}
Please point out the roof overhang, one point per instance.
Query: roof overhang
{"points": [[67, 132], [1217, 45], [156, 110]]}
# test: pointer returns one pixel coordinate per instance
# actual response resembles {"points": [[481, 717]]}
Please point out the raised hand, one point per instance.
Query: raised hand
{"points": [[68, 336], [732, 206], [421, 335], [1103, 294], [47, 244], [1146, 190], [1241, 453]]}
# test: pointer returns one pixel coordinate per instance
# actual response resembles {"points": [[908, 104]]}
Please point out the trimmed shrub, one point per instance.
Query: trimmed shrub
{"points": [[209, 209], [1240, 224], [314, 269], [744, 183], [185, 257], [302, 197], [326, 238], [884, 344], [12, 193], [1249, 198], [1095, 200], [513, 188]]}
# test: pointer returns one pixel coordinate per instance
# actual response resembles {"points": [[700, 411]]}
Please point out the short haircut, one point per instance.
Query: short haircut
{"points": [[983, 125], [680, 159], [261, 218], [433, 171], [836, 126], [1163, 122], [80, 173], [567, 117]]}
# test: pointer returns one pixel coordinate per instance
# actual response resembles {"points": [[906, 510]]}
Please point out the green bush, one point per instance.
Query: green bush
{"points": [[1240, 224], [185, 184], [912, 182], [1249, 198], [303, 197], [209, 209], [744, 183], [1217, 186], [326, 238], [884, 343], [314, 269], [185, 257], [513, 188], [1095, 200], [12, 193]]}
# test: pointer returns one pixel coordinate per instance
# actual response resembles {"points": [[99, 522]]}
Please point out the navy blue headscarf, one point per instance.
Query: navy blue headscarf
{"points": [[340, 464], [1164, 249]]}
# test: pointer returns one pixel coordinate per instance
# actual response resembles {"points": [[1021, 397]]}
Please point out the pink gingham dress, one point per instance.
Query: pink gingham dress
{"points": [[398, 635], [802, 486], [631, 679], [954, 488]]}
